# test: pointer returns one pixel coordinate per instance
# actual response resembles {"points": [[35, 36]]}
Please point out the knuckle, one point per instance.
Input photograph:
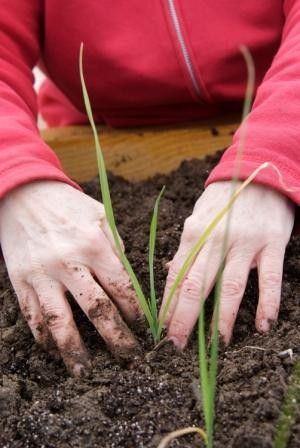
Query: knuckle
{"points": [[270, 280], [36, 279], [192, 288], [191, 228], [100, 307], [218, 237], [232, 288], [93, 244], [16, 276], [54, 317], [92, 240], [70, 268], [34, 320]]}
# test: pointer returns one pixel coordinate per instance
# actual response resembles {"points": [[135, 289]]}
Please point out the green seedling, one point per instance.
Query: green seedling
{"points": [[152, 242], [235, 192], [208, 371], [148, 306], [208, 367], [289, 409]]}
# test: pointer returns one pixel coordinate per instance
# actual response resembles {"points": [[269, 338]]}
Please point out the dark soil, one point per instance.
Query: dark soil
{"points": [[133, 406]]}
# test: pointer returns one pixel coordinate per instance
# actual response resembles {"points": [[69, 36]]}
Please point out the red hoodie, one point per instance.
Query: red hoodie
{"points": [[148, 62]]}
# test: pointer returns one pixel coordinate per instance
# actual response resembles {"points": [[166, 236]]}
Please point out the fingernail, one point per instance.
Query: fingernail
{"points": [[178, 344], [223, 342], [79, 370], [264, 325]]}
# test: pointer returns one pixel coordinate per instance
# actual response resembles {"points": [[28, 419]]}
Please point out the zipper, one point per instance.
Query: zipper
{"points": [[183, 47]]}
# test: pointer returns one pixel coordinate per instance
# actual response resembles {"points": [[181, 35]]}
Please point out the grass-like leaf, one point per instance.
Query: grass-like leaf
{"points": [[208, 371], [152, 242], [214, 352], [203, 370], [108, 204], [287, 416], [203, 238]]}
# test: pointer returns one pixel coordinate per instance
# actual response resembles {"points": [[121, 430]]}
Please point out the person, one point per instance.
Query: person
{"points": [[150, 62]]}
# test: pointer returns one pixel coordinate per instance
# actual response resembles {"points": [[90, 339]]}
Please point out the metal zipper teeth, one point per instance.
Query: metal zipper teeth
{"points": [[185, 53]]}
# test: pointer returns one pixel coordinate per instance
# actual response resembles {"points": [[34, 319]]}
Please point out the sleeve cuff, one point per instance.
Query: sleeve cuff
{"points": [[288, 185], [26, 173]]}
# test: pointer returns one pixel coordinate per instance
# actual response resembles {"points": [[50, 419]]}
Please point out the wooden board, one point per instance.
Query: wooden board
{"points": [[137, 154]]}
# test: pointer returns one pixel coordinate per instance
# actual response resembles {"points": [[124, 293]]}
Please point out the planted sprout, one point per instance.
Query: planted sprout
{"points": [[208, 370], [152, 241], [208, 367], [289, 409], [148, 307]]}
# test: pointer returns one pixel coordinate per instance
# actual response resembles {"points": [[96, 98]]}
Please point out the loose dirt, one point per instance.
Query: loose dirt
{"points": [[134, 405]]}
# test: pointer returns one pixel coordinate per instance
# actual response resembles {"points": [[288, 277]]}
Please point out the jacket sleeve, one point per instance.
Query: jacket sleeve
{"points": [[24, 157], [273, 132]]}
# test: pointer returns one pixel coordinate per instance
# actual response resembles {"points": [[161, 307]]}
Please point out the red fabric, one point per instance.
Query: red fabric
{"points": [[136, 74]]}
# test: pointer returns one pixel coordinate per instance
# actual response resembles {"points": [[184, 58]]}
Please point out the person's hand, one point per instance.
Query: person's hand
{"points": [[55, 238], [260, 228]]}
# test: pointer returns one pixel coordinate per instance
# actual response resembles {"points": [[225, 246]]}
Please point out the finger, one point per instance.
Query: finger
{"points": [[101, 311], [194, 290], [191, 232], [31, 310], [270, 268], [114, 279], [234, 280], [58, 317]]}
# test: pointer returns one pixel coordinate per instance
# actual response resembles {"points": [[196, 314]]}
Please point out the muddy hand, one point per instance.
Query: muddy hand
{"points": [[260, 228], [55, 238]]}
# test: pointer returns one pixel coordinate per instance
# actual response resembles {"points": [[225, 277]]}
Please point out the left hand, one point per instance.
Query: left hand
{"points": [[260, 228]]}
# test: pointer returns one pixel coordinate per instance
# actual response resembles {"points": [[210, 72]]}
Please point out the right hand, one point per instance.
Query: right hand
{"points": [[55, 238]]}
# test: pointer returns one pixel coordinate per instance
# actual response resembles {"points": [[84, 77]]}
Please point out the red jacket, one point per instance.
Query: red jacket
{"points": [[147, 62]]}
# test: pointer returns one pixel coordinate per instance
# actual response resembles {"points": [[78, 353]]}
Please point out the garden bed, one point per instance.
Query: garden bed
{"points": [[134, 405]]}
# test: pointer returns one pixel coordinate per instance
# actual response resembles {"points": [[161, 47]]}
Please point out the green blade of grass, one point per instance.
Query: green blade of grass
{"points": [[107, 200], [203, 370], [214, 349], [208, 376], [214, 352], [288, 413], [246, 109], [152, 242]]}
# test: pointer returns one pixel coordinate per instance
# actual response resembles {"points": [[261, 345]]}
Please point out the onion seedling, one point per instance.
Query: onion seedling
{"points": [[208, 367], [288, 413], [152, 242], [148, 306]]}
